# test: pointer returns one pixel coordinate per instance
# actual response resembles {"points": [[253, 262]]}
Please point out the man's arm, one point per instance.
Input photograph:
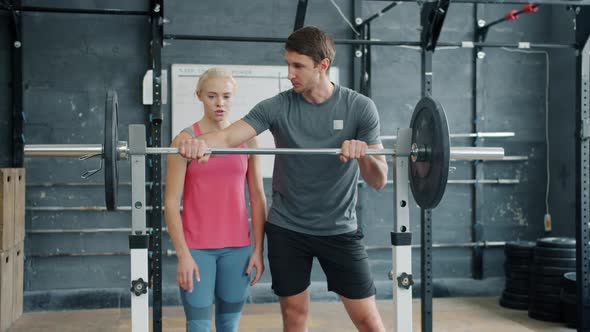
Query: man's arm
{"points": [[373, 167], [232, 136]]}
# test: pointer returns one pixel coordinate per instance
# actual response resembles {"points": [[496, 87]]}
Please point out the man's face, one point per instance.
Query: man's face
{"points": [[304, 74]]}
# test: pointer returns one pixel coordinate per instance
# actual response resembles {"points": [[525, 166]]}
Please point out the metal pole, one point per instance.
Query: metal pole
{"points": [[583, 186], [17, 123], [356, 68], [477, 168], [401, 239], [156, 117], [426, 287], [138, 239]]}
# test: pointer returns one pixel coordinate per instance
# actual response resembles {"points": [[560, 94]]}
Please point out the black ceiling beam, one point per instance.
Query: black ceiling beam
{"points": [[378, 14], [433, 17], [364, 42], [300, 15]]}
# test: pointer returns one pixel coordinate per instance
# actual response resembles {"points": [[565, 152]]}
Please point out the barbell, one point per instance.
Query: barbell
{"points": [[430, 152]]}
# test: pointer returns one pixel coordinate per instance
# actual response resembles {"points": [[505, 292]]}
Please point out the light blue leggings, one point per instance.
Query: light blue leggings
{"points": [[223, 279]]}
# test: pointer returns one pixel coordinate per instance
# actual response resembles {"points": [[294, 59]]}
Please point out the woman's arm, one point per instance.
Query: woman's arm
{"points": [[257, 211], [176, 167]]}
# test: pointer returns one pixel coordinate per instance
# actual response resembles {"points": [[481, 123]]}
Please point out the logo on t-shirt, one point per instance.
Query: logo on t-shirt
{"points": [[338, 124]]}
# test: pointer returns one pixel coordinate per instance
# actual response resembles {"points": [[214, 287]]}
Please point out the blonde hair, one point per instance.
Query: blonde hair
{"points": [[216, 72]]}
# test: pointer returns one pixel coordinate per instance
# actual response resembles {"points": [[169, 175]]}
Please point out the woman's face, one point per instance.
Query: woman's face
{"points": [[217, 96]]}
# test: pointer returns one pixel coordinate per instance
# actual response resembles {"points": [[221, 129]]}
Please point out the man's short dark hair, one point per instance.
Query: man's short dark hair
{"points": [[312, 42]]}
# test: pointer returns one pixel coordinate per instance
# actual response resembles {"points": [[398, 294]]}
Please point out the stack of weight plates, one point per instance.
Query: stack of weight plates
{"points": [[569, 304], [518, 259], [553, 257]]}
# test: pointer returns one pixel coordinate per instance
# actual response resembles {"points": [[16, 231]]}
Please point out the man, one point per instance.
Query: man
{"points": [[314, 197]]}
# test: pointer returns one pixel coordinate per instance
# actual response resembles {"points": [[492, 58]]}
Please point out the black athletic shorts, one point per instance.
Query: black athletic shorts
{"points": [[342, 257]]}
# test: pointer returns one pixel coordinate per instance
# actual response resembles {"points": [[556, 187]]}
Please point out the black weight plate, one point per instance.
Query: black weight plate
{"points": [[516, 253], [550, 270], [570, 299], [555, 252], [515, 297], [556, 262], [544, 316], [569, 278], [570, 315], [517, 268], [518, 291], [545, 289], [517, 275], [111, 139], [568, 283], [428, 178], [545, 299], [557, 242], [517, 288], [543, 279], [513, 304], [524, 280], [511, 260], [551, 308], [516, 284]]}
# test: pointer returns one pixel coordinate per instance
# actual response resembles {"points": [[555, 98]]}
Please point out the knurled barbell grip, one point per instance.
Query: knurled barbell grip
{"points": [[272, 151], [457, 153]]}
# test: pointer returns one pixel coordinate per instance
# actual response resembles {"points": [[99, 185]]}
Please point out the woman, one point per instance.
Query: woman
{"points": [[212, 238]]}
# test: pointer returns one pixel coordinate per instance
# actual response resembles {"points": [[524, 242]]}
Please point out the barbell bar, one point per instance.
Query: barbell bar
{"points": [[84, 150], [429, 154]]}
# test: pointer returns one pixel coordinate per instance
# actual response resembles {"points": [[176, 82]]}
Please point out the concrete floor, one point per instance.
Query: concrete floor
{"points": [[450, 314]]}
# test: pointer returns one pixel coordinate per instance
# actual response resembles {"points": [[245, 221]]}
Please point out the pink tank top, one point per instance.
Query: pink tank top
{"points": [[215, 214]]}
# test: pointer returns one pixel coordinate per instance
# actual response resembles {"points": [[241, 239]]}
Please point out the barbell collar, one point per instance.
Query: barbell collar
{"points": [[122, 150], [72, 150], [477, 153]]}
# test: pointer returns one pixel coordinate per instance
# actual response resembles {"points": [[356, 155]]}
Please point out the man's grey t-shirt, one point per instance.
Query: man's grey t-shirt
{"points": [[315, 194]]}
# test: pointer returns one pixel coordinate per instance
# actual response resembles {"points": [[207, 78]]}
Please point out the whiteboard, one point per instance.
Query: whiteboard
{"points": [[254, 84]]}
